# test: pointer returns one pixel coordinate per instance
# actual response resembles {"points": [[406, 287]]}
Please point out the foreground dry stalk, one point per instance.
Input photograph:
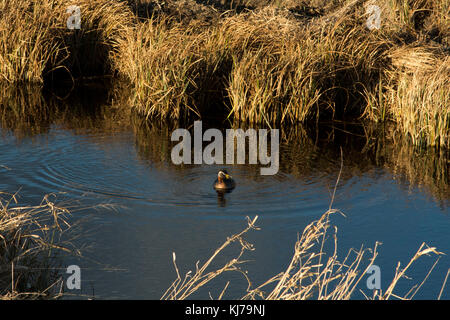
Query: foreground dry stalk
{"points": [[311, 274], [182, 288], [29, 241], [308, 277]]}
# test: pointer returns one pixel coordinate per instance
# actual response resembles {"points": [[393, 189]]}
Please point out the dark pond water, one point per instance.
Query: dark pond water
{"points": [[151, 207]]}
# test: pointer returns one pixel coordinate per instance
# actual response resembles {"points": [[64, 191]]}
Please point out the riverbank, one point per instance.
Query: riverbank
{"points": [[247, 61]]}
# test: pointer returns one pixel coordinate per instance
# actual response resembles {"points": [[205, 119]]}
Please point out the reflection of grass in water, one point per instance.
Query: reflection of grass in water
{"points": [[25, 111], [428, 169], [367, 147], [153, 142], [28, 110], [305, 150]]}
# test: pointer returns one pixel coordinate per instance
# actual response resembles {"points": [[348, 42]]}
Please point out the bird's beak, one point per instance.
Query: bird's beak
{"points": [[227, 176]]}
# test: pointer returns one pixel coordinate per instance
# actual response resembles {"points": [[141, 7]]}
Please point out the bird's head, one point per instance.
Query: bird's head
{"points": [[223, 174]]}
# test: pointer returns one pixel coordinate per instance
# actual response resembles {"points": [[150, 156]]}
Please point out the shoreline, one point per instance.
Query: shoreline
{"points": [[250, 62]]}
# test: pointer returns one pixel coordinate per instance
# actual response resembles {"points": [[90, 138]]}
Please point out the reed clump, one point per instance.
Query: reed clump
{"points": [[27, 40], [419, 100], [160, 61], [319, 72], [177, 70], [265, 65], [36, 42], [288, 63], [30, 240]]}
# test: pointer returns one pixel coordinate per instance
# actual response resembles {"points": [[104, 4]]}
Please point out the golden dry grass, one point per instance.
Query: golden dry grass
{"points": [[420, 101], [36, 42], [282, 64], [311, 273], [278, 63], [29, 240]]}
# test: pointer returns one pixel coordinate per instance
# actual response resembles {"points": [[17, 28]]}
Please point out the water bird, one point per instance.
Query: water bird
{"points": [[224, 181]]}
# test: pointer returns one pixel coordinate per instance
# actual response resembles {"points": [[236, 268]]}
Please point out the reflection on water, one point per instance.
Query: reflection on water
{"points": [[221, 200], [92, 148], [315, 155]]}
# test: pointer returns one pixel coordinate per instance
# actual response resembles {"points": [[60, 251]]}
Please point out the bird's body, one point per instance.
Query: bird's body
{"points": [[224, 181]]}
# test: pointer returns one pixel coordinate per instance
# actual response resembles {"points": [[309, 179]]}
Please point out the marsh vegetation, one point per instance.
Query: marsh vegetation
{"points": [[311, 68], [251, 61]]}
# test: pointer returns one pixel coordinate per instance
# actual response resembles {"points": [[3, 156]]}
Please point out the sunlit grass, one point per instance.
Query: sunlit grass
{"points": [[36, 42], [268, 66], [276, 63], [30, 237]]}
